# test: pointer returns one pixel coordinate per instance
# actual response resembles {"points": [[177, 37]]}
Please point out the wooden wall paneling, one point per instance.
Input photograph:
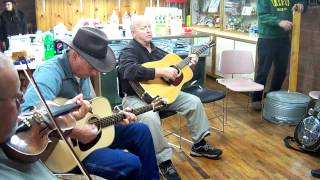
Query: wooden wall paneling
{"points": [[103, 9], [42, 13], [69, 11], [73, 13], [57, 14]]}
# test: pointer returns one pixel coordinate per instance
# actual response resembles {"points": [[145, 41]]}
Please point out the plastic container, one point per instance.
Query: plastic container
{"points": [[48, 43]]}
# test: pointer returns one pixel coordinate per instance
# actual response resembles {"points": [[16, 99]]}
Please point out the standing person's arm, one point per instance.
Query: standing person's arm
{"points": [[265, 15]]}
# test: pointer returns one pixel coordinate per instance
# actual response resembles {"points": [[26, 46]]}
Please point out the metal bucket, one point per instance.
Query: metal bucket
{"points": [[285, 108]]}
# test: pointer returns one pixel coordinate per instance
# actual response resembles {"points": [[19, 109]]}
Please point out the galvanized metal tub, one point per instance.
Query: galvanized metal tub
{"points": [[285, 108]]}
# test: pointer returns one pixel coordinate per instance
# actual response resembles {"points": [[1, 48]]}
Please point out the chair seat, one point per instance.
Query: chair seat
{"points": [[205, 95], [241, 85], [314, 94]]}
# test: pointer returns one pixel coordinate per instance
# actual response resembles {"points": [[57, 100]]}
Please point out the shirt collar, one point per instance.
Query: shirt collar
{"points": [[65, 64], [153, 47]]}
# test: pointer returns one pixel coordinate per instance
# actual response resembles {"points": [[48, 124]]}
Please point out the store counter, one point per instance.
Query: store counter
{"points": [[244, 37]]}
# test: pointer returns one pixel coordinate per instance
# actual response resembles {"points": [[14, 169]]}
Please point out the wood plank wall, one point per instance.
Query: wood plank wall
{"points": [[69, 12]]}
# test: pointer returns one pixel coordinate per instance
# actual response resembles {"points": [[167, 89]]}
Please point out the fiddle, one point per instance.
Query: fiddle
{"points": [[32, 134]]}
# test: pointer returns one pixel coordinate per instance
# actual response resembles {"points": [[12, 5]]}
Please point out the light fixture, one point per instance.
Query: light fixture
{"points": [[119, 5], [81, 5], [44, 6]]}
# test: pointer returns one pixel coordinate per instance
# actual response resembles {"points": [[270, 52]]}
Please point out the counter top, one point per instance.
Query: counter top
{"points": [[192, 34], [226, 34]]}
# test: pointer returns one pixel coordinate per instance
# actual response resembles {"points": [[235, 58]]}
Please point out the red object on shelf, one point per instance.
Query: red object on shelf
{"points": [[177, 1]]}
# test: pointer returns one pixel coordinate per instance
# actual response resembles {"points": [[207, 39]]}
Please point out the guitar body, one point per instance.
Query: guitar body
{"points": [[60, 160], [169, 91]]}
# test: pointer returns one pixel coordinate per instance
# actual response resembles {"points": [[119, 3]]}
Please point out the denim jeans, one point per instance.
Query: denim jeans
{"points": [[189, 106], [112, 162]]}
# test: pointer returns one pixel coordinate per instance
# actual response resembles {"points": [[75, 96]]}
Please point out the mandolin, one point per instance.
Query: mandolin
{"points": [[58, 162], [169, 90], [32, 134]]}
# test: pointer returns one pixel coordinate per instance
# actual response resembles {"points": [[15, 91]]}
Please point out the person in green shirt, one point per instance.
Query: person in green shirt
{"points": [[274, 26]]}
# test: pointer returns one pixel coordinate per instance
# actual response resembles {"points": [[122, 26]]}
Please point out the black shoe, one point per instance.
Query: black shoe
{"points": [[315, 173], [168, 171], [207, 151]]}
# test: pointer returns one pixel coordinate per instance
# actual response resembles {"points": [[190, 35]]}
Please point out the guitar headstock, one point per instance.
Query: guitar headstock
{"points": [[158, 103], [211, 43]]}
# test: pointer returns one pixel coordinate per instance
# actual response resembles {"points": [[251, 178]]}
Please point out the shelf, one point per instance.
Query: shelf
{"points": [[227, 34]]}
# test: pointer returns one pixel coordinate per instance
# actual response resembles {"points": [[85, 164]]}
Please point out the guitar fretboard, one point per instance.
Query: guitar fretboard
{"points": [[115, 118], [186, 61]]}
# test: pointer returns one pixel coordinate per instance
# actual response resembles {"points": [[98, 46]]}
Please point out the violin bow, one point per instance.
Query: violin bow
{"points": [[37, 90]]}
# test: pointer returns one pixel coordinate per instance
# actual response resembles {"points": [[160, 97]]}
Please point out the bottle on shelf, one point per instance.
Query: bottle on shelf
{"points": [[48, 43]]}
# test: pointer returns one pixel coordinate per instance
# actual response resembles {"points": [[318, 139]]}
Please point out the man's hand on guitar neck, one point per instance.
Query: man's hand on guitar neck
{"points": [[85, 107], [129, 117], [194, 59]]}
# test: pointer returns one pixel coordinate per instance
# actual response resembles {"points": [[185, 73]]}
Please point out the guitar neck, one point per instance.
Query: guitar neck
{"points": [[115, 118], [186, 61]]}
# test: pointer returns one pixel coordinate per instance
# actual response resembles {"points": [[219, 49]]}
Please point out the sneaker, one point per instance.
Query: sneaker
{"points": [[168, 171], [315, 173], [257, 106], [206, 150]]}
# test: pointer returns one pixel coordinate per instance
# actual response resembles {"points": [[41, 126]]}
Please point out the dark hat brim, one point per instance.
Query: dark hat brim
{"points": [[102, 65]]}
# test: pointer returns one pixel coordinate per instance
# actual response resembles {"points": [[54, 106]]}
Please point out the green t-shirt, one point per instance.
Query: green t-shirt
{"points": [[270, 13]]}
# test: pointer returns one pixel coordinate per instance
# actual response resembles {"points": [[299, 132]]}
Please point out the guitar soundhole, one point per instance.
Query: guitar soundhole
{"points": [[85, 147], [177, 81]]}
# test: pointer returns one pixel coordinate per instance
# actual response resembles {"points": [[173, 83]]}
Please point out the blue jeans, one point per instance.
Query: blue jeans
{"points": [[114, 163]]}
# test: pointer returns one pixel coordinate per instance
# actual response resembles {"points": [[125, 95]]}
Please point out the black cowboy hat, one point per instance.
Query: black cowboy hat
{"points": [[13, 1], [92, 44]]}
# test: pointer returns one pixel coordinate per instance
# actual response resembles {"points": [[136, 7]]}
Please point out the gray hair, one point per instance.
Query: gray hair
{"points": [[6, 64], [135, 20]]}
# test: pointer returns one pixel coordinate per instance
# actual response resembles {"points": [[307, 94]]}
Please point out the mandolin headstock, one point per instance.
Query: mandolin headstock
{"points": [[211, 43], [158, 103]]}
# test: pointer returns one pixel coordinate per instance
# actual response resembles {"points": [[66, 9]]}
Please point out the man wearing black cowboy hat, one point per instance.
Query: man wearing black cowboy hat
{"points": [[67, 76]]}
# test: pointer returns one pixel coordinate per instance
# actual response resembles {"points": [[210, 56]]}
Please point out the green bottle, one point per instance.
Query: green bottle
{"points": [[48, 46]]}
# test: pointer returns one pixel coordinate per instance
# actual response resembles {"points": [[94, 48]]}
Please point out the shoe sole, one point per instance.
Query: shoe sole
{"points": [[163, 177], [194, 154]]}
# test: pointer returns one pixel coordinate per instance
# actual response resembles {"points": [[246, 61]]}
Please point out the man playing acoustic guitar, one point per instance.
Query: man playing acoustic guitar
{"points": [[68, 75], [141, 50]]}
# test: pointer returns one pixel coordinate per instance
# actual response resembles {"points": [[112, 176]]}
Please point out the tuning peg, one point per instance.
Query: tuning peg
{"points": [[311, 111]]}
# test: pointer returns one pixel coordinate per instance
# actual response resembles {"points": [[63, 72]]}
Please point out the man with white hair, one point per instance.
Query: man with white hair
{"points": [[141, 50], [10, 99]]}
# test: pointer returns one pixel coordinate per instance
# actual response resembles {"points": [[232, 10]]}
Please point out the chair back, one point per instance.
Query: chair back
{"points": [[236, 62]]}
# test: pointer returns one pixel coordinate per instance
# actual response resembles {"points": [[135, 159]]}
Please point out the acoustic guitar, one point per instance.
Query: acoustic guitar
{"points": [[60, 160], [169, 90]]}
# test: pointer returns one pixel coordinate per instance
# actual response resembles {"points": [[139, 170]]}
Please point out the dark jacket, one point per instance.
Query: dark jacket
{"points": [[130, 68], [12, 23]]}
